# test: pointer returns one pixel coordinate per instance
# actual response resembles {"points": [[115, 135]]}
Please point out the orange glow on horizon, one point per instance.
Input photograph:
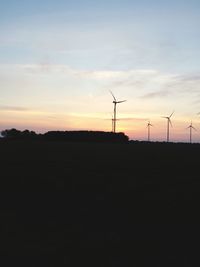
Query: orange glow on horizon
{"points": [[134, 128]]}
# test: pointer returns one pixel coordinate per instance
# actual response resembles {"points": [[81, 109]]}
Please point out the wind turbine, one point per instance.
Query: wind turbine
{"points": [[168, 123], [191, 128], [149, 125], [115, 102]]}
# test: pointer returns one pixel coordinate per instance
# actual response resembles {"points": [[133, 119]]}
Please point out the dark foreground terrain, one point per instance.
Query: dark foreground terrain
{"points": [[75, 204]]}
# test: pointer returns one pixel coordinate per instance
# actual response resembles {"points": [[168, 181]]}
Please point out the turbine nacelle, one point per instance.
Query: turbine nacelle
{"points": [[191, 127], [149, 124]]}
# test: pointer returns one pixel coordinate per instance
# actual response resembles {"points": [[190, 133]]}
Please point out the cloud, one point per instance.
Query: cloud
{"points": [[131, 119], [14, 108], [156, 94], [180, 85], [45, 68], [137, 83], [119, 76], [188, 77], [112, 75]]}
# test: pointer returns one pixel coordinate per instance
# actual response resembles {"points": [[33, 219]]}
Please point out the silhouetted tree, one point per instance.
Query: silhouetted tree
{"points": [[16, 134], [11, 133], [74, 136], [86, 136], [28, 134]]}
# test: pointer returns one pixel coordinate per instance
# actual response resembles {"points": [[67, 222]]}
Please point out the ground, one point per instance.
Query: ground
{"points": [[69, 204]]}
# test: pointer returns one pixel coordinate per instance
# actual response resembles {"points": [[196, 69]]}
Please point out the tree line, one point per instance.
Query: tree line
{"points": [[79, 136]]}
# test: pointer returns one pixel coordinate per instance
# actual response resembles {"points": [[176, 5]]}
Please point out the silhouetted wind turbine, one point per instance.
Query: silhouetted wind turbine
{"points": [[168, 123], [149, 125], [191, 128], [115, 102]]}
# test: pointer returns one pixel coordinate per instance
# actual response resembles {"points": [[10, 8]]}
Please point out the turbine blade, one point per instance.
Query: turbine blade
{"points": [[121, 101], [171, 114], [112, 95], [194, 128], [170, 122]]}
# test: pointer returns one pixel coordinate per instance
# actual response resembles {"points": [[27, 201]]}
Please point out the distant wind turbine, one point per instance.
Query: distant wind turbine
{"points": [[168, 123], [191, 127], [149, 125], [115, 102]]}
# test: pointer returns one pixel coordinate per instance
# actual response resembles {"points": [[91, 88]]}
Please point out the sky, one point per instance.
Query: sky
{"points": [[59, 59]]}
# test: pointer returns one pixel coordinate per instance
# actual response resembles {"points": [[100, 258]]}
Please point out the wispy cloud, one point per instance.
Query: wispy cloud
{"points": [[188, 77], [42, 68], [182, 85], [14, 108], [139, 84], [120, 75], [131, 119], [156, 94]]}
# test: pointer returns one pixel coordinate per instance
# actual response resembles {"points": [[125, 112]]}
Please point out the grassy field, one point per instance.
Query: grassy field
{"points": [[69, 204]]}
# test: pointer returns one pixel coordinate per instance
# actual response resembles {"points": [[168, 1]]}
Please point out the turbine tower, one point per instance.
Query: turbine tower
{"points": [[112, 123], [169, 123], [191, 128], [115, 102], [149, 125]]}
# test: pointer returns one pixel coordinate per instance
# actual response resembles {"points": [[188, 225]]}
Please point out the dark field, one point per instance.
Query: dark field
{"points": [[75, 204]]}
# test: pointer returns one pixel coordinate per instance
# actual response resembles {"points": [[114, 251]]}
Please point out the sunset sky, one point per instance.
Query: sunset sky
{"points": [[60, 58]]}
